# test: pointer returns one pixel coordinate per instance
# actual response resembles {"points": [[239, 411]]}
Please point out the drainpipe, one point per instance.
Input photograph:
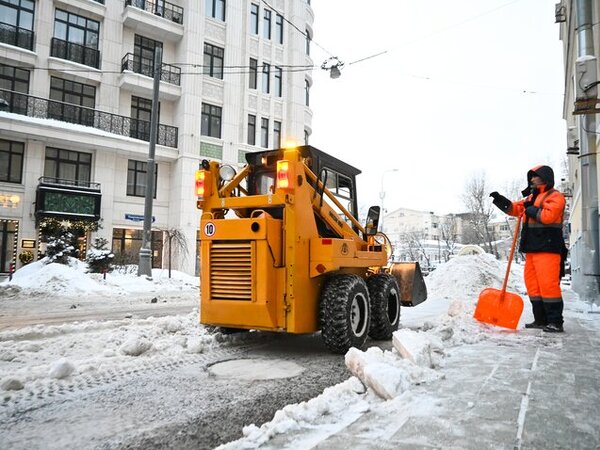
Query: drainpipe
{"points": [[586, 75]]}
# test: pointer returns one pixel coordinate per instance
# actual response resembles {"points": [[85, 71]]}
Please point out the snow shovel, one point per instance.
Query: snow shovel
{"points": [[498, 307]]}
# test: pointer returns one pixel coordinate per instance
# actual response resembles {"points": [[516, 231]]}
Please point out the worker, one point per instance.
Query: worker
{"points": [[543, 244]]}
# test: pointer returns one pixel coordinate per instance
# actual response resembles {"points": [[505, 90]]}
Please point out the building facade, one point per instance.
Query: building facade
{"points": [[76, 89], [580, 35]]}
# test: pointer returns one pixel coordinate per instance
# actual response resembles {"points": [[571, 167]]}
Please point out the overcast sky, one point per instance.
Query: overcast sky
{"points": [[466, 87]]}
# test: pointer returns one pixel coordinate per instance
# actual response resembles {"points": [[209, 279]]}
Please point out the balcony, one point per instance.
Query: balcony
{"points": [[145, 66], [74, 52], [43, 108], [13, 35], [159, 8], [68, 199], [157, 19]]}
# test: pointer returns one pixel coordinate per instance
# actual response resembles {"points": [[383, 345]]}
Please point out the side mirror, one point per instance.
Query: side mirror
{"points": [[372, 224]]}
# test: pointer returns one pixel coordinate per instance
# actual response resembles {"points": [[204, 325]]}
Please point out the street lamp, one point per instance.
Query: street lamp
{"points": [[382, 195]]}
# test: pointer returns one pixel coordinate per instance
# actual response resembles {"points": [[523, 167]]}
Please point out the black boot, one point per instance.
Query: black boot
{"points": [[535, 324], [554, 328]]}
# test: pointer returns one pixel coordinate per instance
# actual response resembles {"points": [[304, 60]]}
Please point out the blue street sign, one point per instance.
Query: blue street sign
{"points": [[137, 217]]}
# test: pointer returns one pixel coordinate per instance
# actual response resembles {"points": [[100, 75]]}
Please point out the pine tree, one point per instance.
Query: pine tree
{"points": [[98, 258], [60, 248]]}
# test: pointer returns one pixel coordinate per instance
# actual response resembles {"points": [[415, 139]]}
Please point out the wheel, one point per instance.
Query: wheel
{"points": [[344, 312], [385, 305]]}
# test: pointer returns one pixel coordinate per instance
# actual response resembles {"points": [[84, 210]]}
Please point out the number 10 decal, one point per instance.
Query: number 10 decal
{"points": [[209, 229]]}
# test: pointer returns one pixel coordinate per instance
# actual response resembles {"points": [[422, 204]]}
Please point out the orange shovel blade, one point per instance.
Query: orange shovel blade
{"points": [[496, 309]]}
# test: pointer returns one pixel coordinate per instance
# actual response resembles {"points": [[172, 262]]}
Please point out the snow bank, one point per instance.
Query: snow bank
{"points": [[39, 278], [464, 277]]}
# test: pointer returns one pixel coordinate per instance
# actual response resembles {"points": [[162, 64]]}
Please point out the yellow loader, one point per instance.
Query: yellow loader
{"points": [[282, 250]]}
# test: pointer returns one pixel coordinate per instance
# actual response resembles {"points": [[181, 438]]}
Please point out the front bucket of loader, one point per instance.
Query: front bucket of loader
{"points": [[412, 285]]}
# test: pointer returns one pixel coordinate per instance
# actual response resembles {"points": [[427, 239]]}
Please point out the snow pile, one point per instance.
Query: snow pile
{"points": [[55, 279], [464, 277], [385, 372], [334, 409], [40, 278], [420, 348]]}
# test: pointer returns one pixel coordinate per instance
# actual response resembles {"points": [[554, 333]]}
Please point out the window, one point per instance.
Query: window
{"points": [[11, 161], [213, 61], [141, 115], [279, 28], [278, 84], [127, 243], [266, 79], [8, 236], [211, 120], [267, 24], [264, 133], [277, 134], [68, 165], [253, 18], [215, 9], [137, 173], [307, 92], [17, 80], [76, 38], [307, 41], [70, 96], [253, 73], [143, 55], [251, 129], [306, 134], [17, 23]]}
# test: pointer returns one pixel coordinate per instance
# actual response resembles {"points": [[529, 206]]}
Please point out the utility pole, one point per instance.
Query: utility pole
{"points": [[145, 263]]}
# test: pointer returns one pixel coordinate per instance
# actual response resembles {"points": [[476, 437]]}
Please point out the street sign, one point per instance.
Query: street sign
{"points": [[137, 217]]}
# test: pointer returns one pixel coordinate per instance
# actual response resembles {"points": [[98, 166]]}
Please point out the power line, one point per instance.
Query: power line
{"points": [[303, 33], [435, 32]]}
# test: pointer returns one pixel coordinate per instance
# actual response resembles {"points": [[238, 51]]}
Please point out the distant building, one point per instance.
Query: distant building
{"points": [[431, 238], [76, 96]]}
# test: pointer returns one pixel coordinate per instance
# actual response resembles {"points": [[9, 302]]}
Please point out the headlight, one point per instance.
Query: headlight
{"points": [[226, 173]]}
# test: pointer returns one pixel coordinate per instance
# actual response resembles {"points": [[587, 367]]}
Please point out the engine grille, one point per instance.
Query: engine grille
{"points": [[231, 270]]}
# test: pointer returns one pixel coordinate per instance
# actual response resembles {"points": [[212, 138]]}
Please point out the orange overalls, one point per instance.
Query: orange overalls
{"points": [[542, 242]]}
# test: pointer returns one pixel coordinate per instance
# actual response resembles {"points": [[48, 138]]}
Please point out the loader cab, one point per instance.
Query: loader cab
{"points": [[338, 177]]}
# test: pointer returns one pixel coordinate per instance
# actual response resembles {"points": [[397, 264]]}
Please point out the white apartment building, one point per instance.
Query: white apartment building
{"points": [[75, 104]]}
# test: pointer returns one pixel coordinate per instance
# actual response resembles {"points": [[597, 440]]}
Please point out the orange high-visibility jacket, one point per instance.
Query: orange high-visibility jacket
{"points": [[544, 232]]}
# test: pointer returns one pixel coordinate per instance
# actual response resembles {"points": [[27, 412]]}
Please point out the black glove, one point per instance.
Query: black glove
{"points": [[528, 203], [501, 202], [532, 211]]}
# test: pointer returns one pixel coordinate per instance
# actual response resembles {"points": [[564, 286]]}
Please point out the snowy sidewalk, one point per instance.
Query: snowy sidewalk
{"points": [[543, 392]]}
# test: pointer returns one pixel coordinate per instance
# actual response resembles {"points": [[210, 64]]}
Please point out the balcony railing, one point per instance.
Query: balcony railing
{"points": [[13, 35], [75, 52], [160, 8], [60, 182], [145, 66], [99, 1], [43, 108]]}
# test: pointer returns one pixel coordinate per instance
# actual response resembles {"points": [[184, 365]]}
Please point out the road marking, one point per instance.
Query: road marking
{"points": [[525, 403]]}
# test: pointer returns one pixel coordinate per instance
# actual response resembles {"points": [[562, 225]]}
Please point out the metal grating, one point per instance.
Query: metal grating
{"points": [[231, 271]]}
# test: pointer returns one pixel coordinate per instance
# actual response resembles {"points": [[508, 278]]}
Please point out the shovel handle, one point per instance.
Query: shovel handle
{"points": [[510, 258]]}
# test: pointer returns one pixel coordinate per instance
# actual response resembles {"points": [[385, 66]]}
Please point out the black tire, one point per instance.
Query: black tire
{"points": [[345, 312], [385, 305]]}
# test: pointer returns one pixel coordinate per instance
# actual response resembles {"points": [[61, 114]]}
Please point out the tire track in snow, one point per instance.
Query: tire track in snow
{"points": [[42, 392]]}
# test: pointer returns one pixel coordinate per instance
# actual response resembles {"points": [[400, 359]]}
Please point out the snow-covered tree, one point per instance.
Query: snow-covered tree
{"points": [[99, 258], [60, 248]]}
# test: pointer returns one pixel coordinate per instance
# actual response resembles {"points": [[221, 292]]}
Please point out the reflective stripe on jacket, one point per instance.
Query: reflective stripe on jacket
{"points": [[544, 233]]}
